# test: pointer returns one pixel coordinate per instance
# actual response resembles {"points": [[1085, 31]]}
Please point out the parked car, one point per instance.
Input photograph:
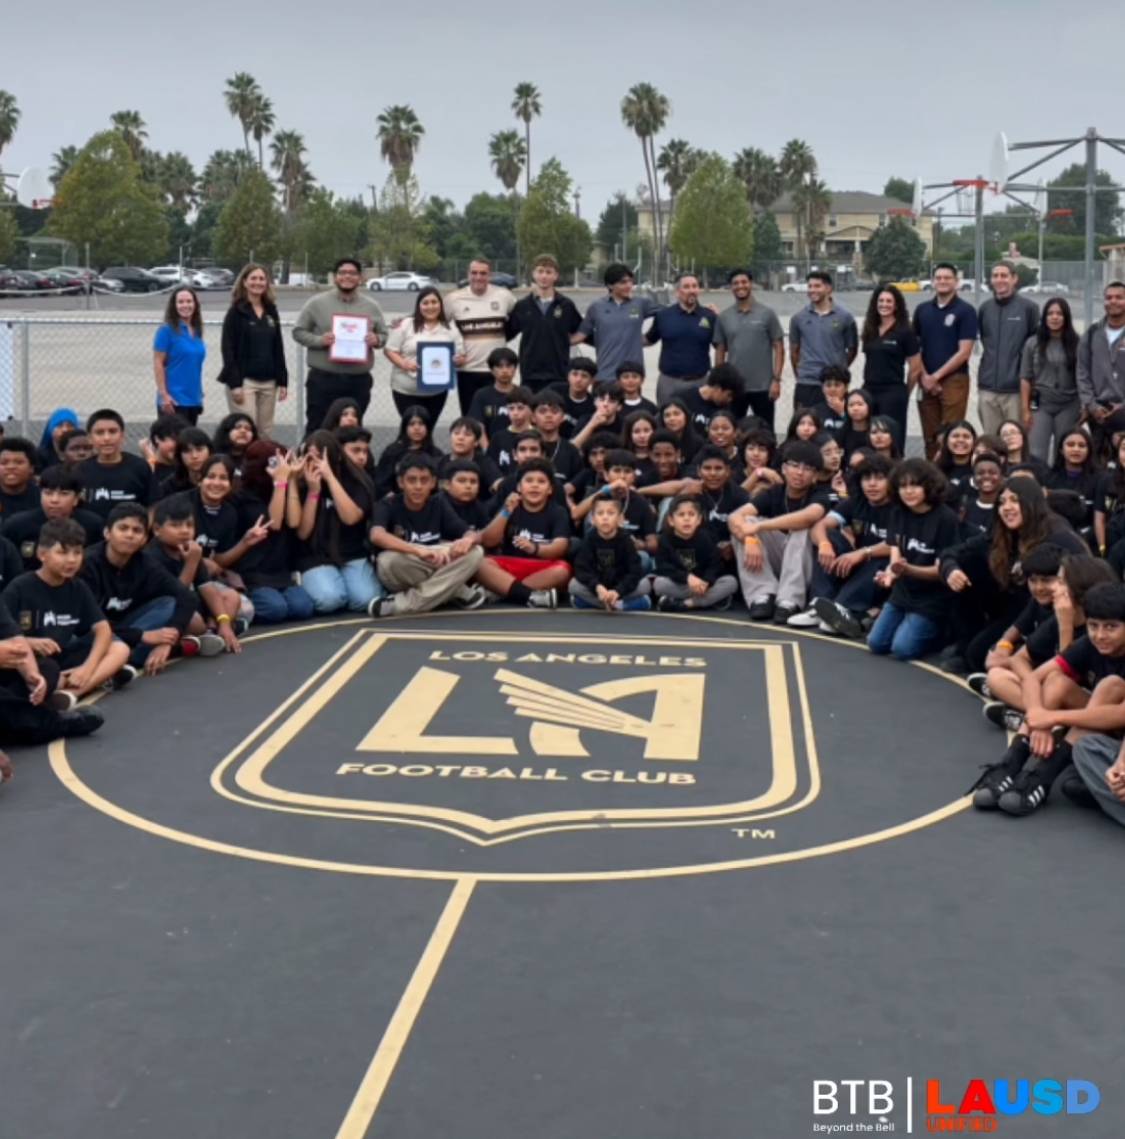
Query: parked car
{"points": [[65, 279], [795, 287], [34, 280], [507, 281], [11, 283], [134, 280], [400, 281], [1055, 288], [177, 275], [222, 278]]}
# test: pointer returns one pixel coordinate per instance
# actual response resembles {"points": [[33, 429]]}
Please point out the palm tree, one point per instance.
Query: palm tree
{"points": [[223, 173], [179, 180], [400, 135], [760, 174], [527, 106], [798, 163], [812, 202], [508, 154], [288, 148], [644, 110], [131, 127], [677, 161], [262, 120], [9, 118], [242, 94], [61, 162]]}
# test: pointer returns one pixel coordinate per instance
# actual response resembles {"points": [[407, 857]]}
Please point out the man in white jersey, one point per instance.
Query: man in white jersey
{"points": [[481, 313]]}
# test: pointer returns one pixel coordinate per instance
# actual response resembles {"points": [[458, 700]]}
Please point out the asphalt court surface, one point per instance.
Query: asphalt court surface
{"points": [[492, 875]]}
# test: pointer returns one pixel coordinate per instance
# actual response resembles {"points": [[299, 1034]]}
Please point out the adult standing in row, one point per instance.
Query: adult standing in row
{"points": [[685, 331], [821, 334], [749, 337], [255, 372], [1006, 321], [614, 324], [178, 353], [946, 328], [428, 325], [1101, 367], [545, 321], [481, 312], [1049, 381], [892, 365], [329, 379]]}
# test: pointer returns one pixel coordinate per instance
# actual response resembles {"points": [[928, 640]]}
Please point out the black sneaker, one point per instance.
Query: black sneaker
{"points": [[994, 782], [240, 625], [1028, 793], [80, 722], [123, 677], [470, 597], [843, 620], [1073, 786], [381, 607], [784, 611], [978, 682], [722, 606], [955, 662], [1000, 715], [670, 605], [62, 701], [762, 610]]}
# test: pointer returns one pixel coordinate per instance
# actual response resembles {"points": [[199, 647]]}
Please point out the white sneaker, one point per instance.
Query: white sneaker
{"points": [[470, 597], [806, 620], [543, 599], [824, 627]]}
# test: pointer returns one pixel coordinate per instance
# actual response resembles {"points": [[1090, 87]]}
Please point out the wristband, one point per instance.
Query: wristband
{"points": [[280, 485], [752, 541], [1006, 645], [313, 497], [221, 618], [505, 514], [827, 547]]}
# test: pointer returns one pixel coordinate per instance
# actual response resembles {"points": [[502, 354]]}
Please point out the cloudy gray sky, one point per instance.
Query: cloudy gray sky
{"points": [[909, 88]]}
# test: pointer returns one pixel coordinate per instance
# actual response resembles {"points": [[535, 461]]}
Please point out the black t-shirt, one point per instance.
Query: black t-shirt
{"points": [[565, 457], [638, 520], [960, 481], [511, 483], [1088, 485], [884, 365], [640, 404], [175, 566], [776, 501], [474, 514], [8, 627], [106, 486], [718, 507], [502, 448], [612, 562], [1086, 666], [13, 504], [269, 564], [217, 529], [921, 538], [10, 564], [869, 525], [22, 530], [699, 409], [1031, 616], [351, 540], [576, 411], [61, 613], [490, 473], [587, 482], [437, 522], [490, 409], [678, 557], [851, 440], [541, 526], [976, 516], [1043, 642], [836, 423]]}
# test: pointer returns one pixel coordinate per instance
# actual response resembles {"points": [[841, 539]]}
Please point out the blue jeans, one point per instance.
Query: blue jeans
{"points": [[351, 586], [907, 635], [272, 606], [152, 615]]}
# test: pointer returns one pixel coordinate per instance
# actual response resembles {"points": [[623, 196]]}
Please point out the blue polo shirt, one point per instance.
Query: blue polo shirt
{"points": [[617, 331], [824, 339], [687, 338], [183, 364], [941, 328]]}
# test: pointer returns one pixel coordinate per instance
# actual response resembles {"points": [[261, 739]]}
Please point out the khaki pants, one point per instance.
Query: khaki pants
{"points": [[786, 571], [995, 407], [937, 410], [259, 402], [418, 586]]}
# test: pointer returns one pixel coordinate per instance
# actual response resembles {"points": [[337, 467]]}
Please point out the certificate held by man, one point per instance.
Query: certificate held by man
{"points": [[435, 367], [350, 344]]}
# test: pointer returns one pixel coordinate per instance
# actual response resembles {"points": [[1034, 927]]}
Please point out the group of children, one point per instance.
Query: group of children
{"points": [[112, 563]]}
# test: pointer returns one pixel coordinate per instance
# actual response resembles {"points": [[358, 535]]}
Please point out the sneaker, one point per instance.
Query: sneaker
{"points": [[1028, 793], [239, 626], [670, 605], [122, 678], [955, 662], [469, 597], [543, 599], [840, 619], [577, 602], [381, 607], [997, 779], [806, 620], [1073, 786], [723, 606], [62, 701], [187, 647], [762, 610], [978, 682], [634, 605], [783, 612], [824, 627], [998, 713], [79, 722], [211, 645]]}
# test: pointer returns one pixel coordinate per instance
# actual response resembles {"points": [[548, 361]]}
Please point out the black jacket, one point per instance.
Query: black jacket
{"points": [[614, 563], [241, 332], [676, 558], [545, 343]]}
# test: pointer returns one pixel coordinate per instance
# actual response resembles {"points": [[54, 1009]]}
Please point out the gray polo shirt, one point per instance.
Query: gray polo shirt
{"points": [[749, 338], [617, 331], [823, 338]]}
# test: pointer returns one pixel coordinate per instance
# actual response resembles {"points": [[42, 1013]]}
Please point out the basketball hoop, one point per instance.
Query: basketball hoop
{"points": [[34, 190], [1060, 213], [966, 195]]}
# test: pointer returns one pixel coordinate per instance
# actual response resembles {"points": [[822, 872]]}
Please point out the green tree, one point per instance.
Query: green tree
{"points": [[9, 237], [813, 201], [250, 224], [132, 129], [262, 121], [895, 252], [9, 118], [203, 228], [288, 149], [768, 247], [61, 161], [712, 227], [325, 230], [548, 225], [400, 135], [760, 174], [508, 154], [798, 168], [1107, 211], [442, 225], [901, 189], [223, 174], [396, 229], [178, 180], [645, 111], [242, 96], [103, 201], [490, 224], [677, 161], [619, 216], [527, 105]]}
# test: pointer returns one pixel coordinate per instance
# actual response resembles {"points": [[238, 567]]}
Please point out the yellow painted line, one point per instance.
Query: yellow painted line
{"points": [[387, 1055]]}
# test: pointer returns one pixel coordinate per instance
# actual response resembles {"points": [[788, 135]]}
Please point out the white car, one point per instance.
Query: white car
{"points": [[796, 287], [1054, 287], [174, 275], [402, 281]]}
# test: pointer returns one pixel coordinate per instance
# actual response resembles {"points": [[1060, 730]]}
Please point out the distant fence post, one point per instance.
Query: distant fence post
{"points": [[25, 380], [301, 372]]}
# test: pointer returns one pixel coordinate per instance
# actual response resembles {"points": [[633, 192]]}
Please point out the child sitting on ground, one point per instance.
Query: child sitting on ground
{"points": [[691, 573], [460, 485], [607, 569], [637, 517]]}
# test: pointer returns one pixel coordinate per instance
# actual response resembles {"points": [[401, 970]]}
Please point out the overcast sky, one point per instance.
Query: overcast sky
{"points": [[913, 89]]}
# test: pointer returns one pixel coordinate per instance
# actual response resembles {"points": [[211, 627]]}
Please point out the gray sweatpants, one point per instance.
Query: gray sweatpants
{"points": [[724, 587], [417, 586], [1093, 757], [1049, 426], [786, 570]]}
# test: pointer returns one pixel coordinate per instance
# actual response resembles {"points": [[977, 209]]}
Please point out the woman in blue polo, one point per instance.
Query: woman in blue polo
{"points": [[178, 354]]}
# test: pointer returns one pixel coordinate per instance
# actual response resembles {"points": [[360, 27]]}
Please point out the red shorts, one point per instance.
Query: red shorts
{"points": [[522, 568]]}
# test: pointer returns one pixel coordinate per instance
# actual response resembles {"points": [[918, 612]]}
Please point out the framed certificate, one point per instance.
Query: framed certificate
{"points": [[435, 367], [350, 346]]}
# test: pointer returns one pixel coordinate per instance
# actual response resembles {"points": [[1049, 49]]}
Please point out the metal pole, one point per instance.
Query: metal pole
{"points": [[624, 232], [25, 381], [301, 358], [978, 251], [1091, 210], [1042, 231]]}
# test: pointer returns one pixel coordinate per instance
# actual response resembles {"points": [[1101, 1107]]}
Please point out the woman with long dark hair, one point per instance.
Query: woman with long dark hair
{"points": [[1049, 380], [882, 436], [254, 368], [1075, 470], [234, 435], [892, 367], [860, 409], [415, 433], [332, 520], [955, 459], [193, 449], [178, 352], [675, 417], [343, 412], [428, 325]]}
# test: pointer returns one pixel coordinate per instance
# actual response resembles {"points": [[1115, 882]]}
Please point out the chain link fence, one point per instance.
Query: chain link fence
{"points": [[86, 363]]}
